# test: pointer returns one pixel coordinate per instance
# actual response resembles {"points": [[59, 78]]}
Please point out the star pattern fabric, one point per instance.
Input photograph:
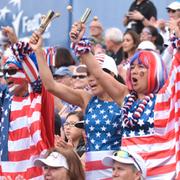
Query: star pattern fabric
{"points": [[5, 101], [145, 123], [103, 125], [37, 85]]}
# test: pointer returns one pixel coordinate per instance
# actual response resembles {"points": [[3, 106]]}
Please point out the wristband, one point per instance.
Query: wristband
{"points": [[82, 47], [21, 49]]}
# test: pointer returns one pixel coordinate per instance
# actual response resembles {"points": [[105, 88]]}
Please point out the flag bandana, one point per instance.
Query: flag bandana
{"points": [[9, 58], [18, 78]]}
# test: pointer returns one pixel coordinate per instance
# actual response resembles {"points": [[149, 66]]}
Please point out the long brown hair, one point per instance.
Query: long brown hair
{"points": [[74, 163], [63, 57]]}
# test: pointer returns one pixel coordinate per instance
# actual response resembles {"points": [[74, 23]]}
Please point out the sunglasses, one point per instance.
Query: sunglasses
{"points": [[171, 10], [9, 71], [79, 76], [126, 155]]}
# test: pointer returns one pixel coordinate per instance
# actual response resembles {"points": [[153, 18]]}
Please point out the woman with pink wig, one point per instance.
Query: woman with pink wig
{"points": [[144, 103]]}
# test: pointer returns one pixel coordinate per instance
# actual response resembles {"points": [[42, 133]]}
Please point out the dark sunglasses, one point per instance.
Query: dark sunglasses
{"points": [[171, 10], [107, 71], [79, 76], [9, 71]]}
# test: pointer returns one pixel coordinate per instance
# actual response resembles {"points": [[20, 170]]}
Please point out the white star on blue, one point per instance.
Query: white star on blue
{"points": [[103, 125]]}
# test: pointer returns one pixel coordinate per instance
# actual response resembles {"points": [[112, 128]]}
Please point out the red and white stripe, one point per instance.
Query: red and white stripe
{"points": [[30, 69], [50, 53], [25, 142], [161, 151], [31, 129], [94, 167]]}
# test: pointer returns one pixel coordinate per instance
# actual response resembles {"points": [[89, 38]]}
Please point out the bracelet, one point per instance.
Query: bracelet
{"points": [[82, 47], [21, 49]]}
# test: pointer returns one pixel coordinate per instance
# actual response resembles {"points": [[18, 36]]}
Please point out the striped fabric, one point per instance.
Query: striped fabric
{"points": [[31, 125], [24, 142], [50, 55], [167, 116], [161, 151], [94, 167]]}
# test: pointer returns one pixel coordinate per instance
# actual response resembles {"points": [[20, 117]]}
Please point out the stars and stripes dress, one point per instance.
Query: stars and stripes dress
{"points": [[103, 128], [156, 134]]}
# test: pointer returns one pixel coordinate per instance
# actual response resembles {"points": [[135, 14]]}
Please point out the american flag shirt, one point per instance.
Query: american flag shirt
{"points": [[103, 128]]}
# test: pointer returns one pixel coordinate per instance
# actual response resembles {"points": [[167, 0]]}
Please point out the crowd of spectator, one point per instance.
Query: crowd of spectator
{"points": [[113, 114]]}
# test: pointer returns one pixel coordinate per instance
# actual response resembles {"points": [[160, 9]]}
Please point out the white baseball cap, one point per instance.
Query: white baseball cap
{"points": [[174, 5], [107, 62], [126, 157], [146, 45], [55, 159]]}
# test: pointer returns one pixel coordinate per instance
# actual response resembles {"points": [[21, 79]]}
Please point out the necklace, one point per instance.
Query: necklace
{"points": [[138, 111]]}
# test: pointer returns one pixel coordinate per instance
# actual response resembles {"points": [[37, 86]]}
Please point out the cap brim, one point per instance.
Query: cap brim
{"points": [[41, 162], [53, 160], [108, 161]]}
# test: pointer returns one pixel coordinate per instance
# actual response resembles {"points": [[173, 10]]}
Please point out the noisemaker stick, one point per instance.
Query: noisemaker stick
{"points": [[84, 18], [85, 15], [48, 18]]}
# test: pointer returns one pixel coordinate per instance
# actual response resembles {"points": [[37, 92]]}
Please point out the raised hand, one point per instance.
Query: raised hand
{"points": [[135, 15], [9, 32], [77, 32], [59, 142], [36, 41]]}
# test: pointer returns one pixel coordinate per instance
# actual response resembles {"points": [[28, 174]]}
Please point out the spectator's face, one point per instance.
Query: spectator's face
{"points": [[95, 31], [64, 80], [139, 77], [15, 79], [109, 44], [96, 88], [80, 81], [70, 130], [124, 172], [51, 173], [145, 35], [173, 14], [128, 43]]}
